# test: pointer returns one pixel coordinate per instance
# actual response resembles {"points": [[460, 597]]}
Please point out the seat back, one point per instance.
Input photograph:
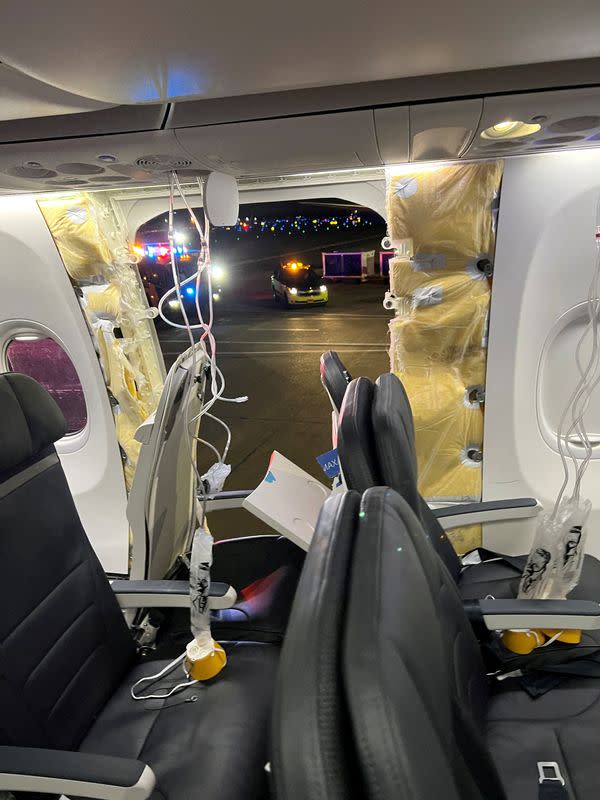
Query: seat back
{"points": [[356, 446], [394, 445], [334, 377], [162, 503], [414, 679], [311, 742], [64, 645]]}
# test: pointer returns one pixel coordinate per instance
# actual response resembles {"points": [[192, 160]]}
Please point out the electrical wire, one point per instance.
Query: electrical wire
{"points": [[578, 403]]}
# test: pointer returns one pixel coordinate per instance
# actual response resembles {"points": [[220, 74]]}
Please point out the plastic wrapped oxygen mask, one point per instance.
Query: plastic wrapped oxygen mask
{"points": [[204, 658]]}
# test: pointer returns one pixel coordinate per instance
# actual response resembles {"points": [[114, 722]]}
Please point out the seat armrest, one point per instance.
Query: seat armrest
{"points": [[488, 511], [501, 615], [169, 594], [64, 772], [223, 501]]}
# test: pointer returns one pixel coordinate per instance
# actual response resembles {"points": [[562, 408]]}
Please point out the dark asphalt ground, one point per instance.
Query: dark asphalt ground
{"points": [[272, 355]]}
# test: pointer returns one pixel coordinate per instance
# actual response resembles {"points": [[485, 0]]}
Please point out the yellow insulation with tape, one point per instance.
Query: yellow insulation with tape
{"points": [[439, 333], [74, 228], [90, 237]]}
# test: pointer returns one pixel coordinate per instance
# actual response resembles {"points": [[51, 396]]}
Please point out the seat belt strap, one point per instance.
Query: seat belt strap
{"points": [[15, 481], [551, 782]]}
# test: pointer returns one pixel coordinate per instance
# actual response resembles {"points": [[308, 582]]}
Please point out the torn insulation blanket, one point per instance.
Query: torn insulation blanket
{"points": [[90, 238], [74, 228], [439, 333]]}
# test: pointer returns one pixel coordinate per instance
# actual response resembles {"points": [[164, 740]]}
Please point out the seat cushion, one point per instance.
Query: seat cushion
{"points": [[501, 580], [214, 748], [560, 726]]}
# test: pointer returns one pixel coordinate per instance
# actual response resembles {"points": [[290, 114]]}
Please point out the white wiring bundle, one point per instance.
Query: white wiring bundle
{"points": [[589, 376], [555, 561], [214, 478]]}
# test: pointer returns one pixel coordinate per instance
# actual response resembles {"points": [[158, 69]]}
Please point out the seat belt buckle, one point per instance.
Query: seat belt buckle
{"points": [[549, 771]]}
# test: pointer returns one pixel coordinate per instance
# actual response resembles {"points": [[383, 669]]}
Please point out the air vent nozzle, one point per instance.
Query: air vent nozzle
{"points": [[162, 163]]}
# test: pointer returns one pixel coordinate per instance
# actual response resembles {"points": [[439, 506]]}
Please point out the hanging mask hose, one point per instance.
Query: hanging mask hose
{"points": [[555, 561], [204, 658]]}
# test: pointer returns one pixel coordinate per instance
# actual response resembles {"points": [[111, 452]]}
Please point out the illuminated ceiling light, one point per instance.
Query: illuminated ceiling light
{"points": [[510, 129]]}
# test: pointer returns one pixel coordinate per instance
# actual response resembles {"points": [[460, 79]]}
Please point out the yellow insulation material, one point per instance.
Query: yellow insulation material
{"points": [[439, 334], [446, 331], [445, 210], [105, 302], [90, 237], [446, 425], [120, 378], [126, 429], [73, 226]]}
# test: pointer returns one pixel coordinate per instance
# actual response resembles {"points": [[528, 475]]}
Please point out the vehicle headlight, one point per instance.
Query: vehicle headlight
{"points": [[174, 304], [293, 290], [218, 273], [322, 288]]}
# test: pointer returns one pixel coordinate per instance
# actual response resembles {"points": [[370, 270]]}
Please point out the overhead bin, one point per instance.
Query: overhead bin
{"points": [[392, 127], [119, 119], [567, 118], [23, 96], [285, 146]]}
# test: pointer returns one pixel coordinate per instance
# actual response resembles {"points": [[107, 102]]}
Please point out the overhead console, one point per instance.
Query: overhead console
{"points": [[569, 118], [139, 145]]}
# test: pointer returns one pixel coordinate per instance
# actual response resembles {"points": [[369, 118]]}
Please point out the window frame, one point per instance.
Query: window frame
{"points": [[10, 330]]}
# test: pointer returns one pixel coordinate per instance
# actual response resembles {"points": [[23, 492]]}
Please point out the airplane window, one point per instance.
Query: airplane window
{"points": [[44, 359]]}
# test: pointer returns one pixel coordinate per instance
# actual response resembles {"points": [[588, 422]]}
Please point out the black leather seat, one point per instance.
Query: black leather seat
{"points": [[377, 447], [427, 723], [67, 660], [334, 377], [311, 754]]}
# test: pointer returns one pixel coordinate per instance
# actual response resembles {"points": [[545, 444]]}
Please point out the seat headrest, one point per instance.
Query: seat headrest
{"points": [[394, 445], [394, 438], [355, 437], [30, 420], [334, 377]]}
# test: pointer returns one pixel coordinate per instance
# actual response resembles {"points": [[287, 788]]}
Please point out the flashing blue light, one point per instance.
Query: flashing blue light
{"points": [[189, 290], [151, 251]]}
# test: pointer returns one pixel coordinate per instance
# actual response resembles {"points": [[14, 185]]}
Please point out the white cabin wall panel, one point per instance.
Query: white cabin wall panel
{"points": [[545, 255], [35, 288]]}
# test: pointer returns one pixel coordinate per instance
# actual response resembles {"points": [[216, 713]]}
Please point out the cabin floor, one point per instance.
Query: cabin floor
{"points": [[272, 355]]}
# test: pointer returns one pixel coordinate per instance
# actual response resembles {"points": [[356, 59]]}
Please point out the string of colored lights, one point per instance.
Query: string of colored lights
{"points": [[301, 224]]}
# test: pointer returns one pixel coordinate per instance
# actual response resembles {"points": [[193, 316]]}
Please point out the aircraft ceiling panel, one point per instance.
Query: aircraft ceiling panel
{"points": [[151, 52]]}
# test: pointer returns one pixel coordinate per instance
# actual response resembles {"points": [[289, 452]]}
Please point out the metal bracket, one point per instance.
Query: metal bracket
{"points": [[553, 768]]}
